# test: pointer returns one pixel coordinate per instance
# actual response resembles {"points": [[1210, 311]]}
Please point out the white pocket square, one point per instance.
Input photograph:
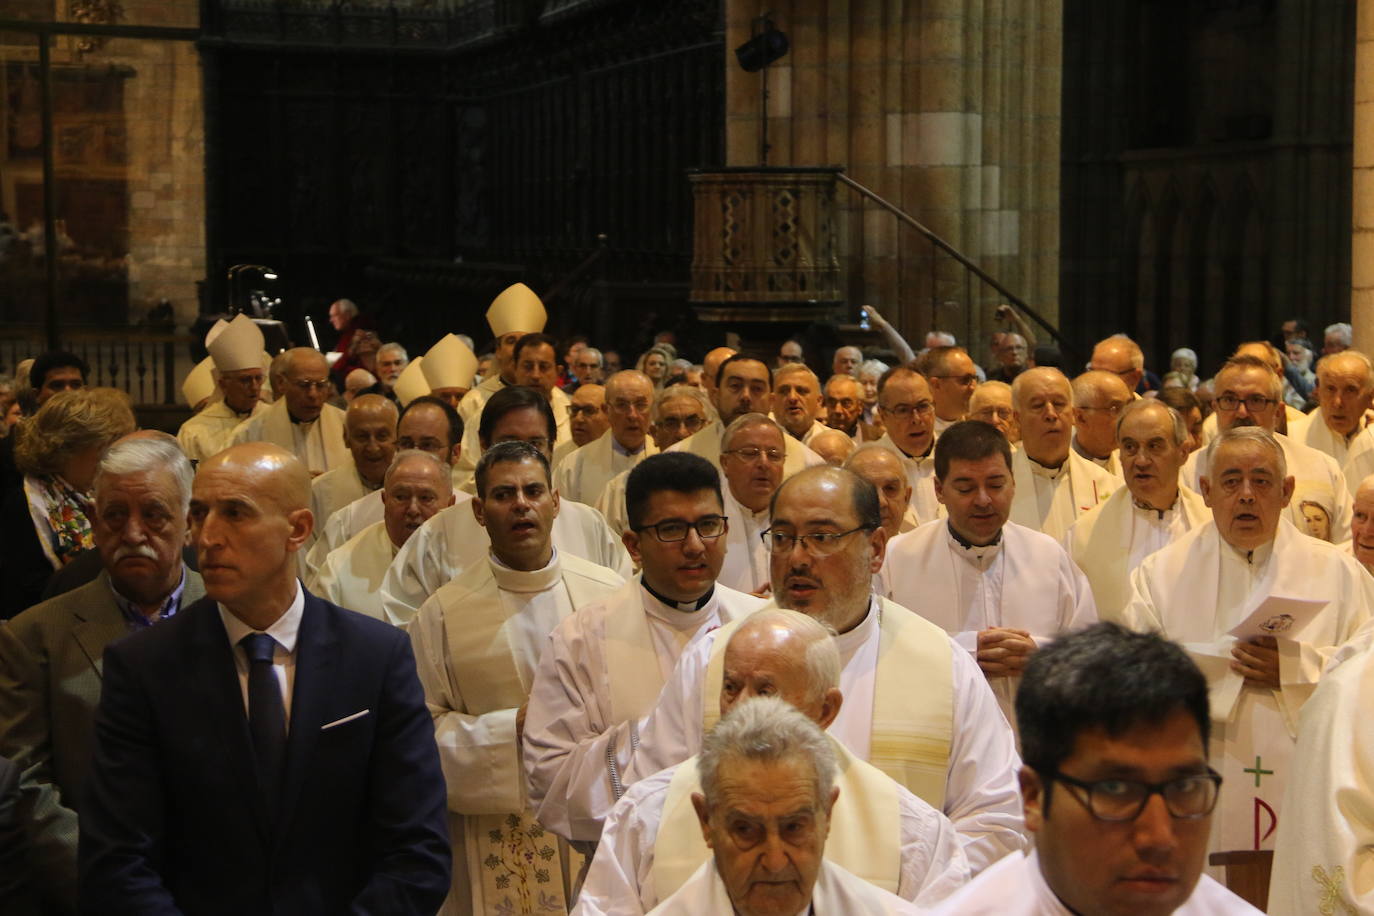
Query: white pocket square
{"points": [[356, 715]]}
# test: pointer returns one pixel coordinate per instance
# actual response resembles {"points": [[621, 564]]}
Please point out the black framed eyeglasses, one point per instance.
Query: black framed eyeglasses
{"points": [[821, 544], [1186, 798], [1254, 403], [708, 528]]}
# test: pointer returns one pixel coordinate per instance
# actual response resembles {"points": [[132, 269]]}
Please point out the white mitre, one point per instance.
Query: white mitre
{"points": [[516, 310], [200, 383], [238, 345], [449, 364], [411, 384]]}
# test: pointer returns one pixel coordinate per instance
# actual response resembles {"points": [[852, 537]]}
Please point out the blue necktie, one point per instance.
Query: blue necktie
{"points": [[266, 715]]}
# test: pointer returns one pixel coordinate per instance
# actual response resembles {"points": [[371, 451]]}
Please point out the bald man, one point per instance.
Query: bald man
{"points": [[1122, 357], [370, 435], [834, 446], [1098, 399], [299, 420], [263, 750], [582, 475], [1362, 525]]}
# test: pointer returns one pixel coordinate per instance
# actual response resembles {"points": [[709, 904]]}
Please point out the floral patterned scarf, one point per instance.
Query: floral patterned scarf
{"points": [[61, 516]]}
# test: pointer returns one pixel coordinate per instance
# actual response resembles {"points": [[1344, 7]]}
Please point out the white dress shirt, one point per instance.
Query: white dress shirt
{"points": [[284, 630]]}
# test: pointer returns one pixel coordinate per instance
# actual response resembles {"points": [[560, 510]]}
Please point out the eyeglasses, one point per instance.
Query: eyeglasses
{"points": [[1187, 798], [307, 385], [902, 411], [959, 379], [578, 410], [822, 544], [1110, 409], [622, 406], [1253, 403], [707, 528], [987, 413], [753, 452], [538, 442], [691, 423]]}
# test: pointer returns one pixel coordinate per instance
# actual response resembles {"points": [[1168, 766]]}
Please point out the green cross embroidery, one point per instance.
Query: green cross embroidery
{"points": [[1256, 769]]}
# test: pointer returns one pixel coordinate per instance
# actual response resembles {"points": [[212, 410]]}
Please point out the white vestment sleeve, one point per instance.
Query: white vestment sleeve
{"points": [[479, 754], [620, 879], [933, 861], [982, 796], [566, 741], [672, 731], [407, 585], [1140, 613]]}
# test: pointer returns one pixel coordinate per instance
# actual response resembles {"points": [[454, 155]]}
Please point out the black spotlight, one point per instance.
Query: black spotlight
{"points": [[761, 50]]}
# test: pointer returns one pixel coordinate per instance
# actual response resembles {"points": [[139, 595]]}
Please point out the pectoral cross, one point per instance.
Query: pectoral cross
{"points": [[1256, 769]]}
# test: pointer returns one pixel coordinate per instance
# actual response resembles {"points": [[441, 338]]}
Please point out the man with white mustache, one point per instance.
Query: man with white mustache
{"points": [[49, 654]]}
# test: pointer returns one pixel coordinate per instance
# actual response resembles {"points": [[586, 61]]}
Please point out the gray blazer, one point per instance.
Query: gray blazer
{"points": [[50, 675]]}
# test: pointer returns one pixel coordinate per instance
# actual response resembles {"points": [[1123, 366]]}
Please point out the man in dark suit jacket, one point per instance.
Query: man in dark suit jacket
{"points": [[50, 655], [16, 895], [264, 751]]}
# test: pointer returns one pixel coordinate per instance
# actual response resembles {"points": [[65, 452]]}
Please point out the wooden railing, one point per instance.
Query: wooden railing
{"points": [[147, 363]]}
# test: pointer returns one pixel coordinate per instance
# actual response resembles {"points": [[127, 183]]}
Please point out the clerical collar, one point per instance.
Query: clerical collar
{"points": [[969, 545], [686, 606], [849, 641], [1146, 507], [1040, 470], [1257, 557], [622, 450], [298, 421], [519, 580]]}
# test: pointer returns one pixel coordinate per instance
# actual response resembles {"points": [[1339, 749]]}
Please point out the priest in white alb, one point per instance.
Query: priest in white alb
{"points": [[584, 473], [1262, 609], [370, 435], [743, 385], [452, 541], [952, 377], [1344, 393], [1250, 394], [1324, 853], [998, 589], [917, 707], [880, 831], [752, 455], [908, 411], [769, 766], [477, 642], [1054, 484], [1118, 789], [679, 411], [517, 311], [426, 423], [300, 420], [1098, 399], [587, 420], [605, 665], [239, 367], [1361, 545], [881, 467], [417, 485], [1150, 512], [796, 403]]}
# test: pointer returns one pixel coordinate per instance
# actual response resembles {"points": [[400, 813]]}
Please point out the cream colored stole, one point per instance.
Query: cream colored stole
{"points": [[865, 826], [1081, 492], [631, 661], [913, 700], [276, 427], [532, 865]]}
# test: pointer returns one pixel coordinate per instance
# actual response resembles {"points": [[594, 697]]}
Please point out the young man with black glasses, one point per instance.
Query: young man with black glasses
{"points": [[1117, 789], [604, 665]]}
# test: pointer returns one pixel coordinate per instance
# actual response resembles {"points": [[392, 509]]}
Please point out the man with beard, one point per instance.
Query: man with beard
{"points": [[797, 401], [477, 643]]}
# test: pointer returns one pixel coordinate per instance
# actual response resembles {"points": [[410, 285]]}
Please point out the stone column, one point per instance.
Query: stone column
{"points": [[947, 108], [1362, 209]]}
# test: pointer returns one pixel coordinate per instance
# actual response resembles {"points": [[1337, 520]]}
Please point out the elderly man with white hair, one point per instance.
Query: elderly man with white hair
{"points": [[1337, 337], [797, 401], [50, 655], [773, 770], [1262, 609], [1250, 394], [1184, 362], [1345, 392], [1054, 484], [584, 473], [1152, 511], [416, 486], [880, 832]]}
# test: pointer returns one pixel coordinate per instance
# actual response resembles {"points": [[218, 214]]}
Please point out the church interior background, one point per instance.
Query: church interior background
{"points": [[1180, 171]]}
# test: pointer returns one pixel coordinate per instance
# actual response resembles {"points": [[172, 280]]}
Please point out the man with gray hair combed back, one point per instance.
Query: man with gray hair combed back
{"points": [[653, 842], [1262, 608], [49, 655], [765, 811]]}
